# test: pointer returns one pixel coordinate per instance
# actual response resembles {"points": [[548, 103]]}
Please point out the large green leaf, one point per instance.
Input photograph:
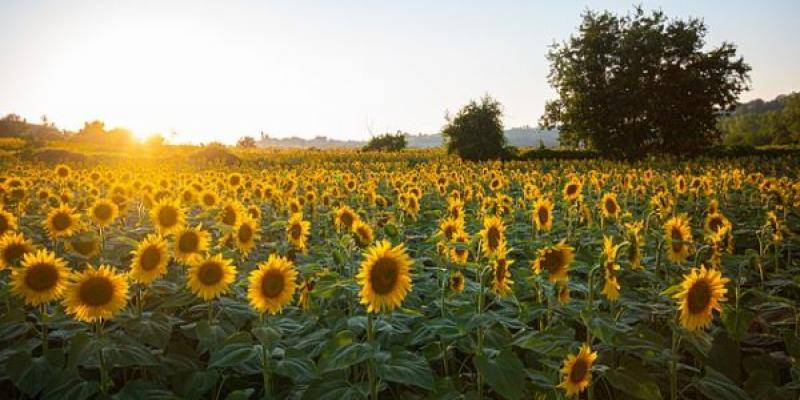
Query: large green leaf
{"points": [[233, 355], [346, 356], [634, 383], [407, 368], [717, 386], [29, 374], [504, 373]]}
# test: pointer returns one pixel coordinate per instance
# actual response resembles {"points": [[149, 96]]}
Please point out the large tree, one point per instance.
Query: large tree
{"points": [[476, 132], [639, 83]]}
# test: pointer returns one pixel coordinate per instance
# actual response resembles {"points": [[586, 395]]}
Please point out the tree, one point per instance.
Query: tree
{"points": [[476, 132], [634, 84], [246, 142], [387, 142]]}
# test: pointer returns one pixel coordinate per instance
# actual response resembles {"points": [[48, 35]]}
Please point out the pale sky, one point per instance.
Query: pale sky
{"points": [[220, 70]]}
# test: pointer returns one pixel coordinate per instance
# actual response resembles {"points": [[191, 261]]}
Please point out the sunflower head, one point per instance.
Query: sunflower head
{"points": [[572, 190], [543, 214], [62, 221], [167, 216], [501, 273], [210, 277], [272, 285], [103, 212], [344, 218], [246, 234], [701, 292], [8, 222], [191, 242], [609, 206], [41, 279], [555, 260], [363, 234], [297, 231], [13, 248], [577, 371], [677, 236], [449, 227], [150, 259], [456, 282], [85, 244], [96, 294], [493, 235], [385, 277], [459, 252]]}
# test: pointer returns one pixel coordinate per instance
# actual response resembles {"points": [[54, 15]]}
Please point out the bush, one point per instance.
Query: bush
{"points": [[387, 142], [476, 132]]}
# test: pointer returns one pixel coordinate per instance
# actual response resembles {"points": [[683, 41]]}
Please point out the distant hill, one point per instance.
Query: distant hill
{"points": [[524, 136], [760, 122]]}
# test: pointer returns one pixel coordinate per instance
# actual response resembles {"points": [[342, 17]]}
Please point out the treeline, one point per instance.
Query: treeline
{"points": [[760, 122], [94, 132]]}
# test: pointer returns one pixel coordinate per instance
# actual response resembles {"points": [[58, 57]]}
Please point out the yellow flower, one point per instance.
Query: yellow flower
{"points": [[363, 234], [543, 214], [210, 277], [168, 216], [459, 253], [62, 221], [150, 259], [702, 291], [633, 231], [190, 243], [677, 236], [456, 282], [493, 235], [85, 243], [449, 227], [555, 260], [231, 213], [13, 247], [609, 206], [96, 294], [385, 277], [344, 217], [577, 371], [297, 231], [246, 234], [272, 285], [208, 199], [501, 274], [8, 222], [41, 279], [610, 268], [103, 212], [572, 190]]}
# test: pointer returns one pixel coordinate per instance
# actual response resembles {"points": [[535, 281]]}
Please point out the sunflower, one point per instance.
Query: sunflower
{"points": [[305, 294], [41, 279], [716, 222], [492, 235], [555, 260], [459, 252], [562, 291], [677, 235], [96, 294], [231, 213], [702, 291], [246, 234], [8, 222], [191, 242], [85, 243], [449, 227], [609, 206], [363, 234], [774, 226], [62, 221], [103, 212], [13, 247], [167, 216], [150, 259], [297, 231], [208, 199], [572, 190], [543, 214], [610, 268], [63, 171], [501, 274], [577, 371], [456, 282], [210, 277], [455, 207], [344, 217], [385, 277], [272, 285], [633, 232]]}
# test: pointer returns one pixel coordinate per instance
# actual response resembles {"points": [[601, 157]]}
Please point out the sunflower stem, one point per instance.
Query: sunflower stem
{"points": [[373, 386], [673, 365], [479, 377], [265, 358], [44, 329]]}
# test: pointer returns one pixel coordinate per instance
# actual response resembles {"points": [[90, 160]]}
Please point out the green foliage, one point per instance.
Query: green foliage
{"points": [[387, 142], [476, 132], [634, 84], [246, 142], [758, 123]]}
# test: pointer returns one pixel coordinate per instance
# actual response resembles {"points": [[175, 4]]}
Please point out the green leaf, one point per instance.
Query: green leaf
{"points": [[407, 368], [296, 366], [242, 394], [504, 373], [267, 335], [232, 355], [634, 383], [141, 389], [126, 355], [154, 330], [346, 356], [717, 386], [29, 374], [736, 323], [725, 357]]}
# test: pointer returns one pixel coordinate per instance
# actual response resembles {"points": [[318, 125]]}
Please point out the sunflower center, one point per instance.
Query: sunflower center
{"points": [[3, 224], [347, 219], [229, 216], [384, 275], [715, 223], [544, 216], [571, 189], [151, 257], [208, 200], [677, 239], [210, 273], [552, 261], [245, 233], [493, 237], [168, 216], [272, 284], [578, 371], [188, 242], [13, 253], [62, 221], [102, 212], [611, 206], [699, 297], [41, 277], [500, 271], [96, 291], [296, 231], [449, 230]]}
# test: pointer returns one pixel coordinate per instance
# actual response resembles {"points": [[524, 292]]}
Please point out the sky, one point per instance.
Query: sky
{"points": [[200, 71]]}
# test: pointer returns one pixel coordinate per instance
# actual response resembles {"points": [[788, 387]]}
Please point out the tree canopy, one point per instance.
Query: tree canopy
{"points": [[760, 122], [387, 142], [476, 132], [639, 83]]}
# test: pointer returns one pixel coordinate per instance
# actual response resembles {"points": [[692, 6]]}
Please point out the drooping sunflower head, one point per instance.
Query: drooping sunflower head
{"points": [[210, 277], [8, 222], [555, 260], [385, 277], [677, 236], [150, 259], [13, 247], [363, 234], [701, 292], [297, 231], [609, 206], [577, 371], [96, 294], [272, 285], [191, 242], [41, 279], [493, 234], [344, 217], [167, 216], [62, 221], [103, 212], [246, 234], [543, 214]]}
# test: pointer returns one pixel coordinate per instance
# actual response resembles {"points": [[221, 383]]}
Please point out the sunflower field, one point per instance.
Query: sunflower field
{"points": [[401, 276]]}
